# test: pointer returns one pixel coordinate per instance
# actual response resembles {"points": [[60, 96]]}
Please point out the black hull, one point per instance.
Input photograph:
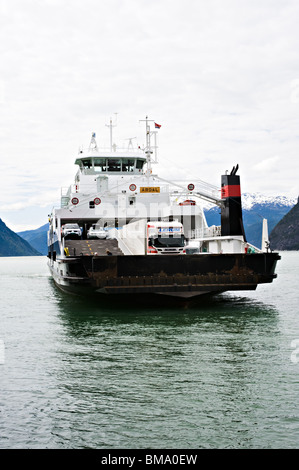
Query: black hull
{"points": [[182, 275]]}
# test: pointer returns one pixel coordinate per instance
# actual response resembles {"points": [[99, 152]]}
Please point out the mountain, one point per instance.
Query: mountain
{"points": [[12, 244], [256, 207], [37, 238], [285, 235]]}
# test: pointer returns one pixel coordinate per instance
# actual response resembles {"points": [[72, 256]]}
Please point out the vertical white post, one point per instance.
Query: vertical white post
{"points": [[148, 149], [110, 127], [110, 135], [265, 236], [155, 136]]}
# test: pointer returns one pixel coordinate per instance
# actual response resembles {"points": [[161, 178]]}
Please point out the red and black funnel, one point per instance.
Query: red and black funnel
{"points": [[231, 210]]}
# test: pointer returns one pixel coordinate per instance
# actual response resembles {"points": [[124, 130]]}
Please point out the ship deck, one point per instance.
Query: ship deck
{"points": [[92, 247]]}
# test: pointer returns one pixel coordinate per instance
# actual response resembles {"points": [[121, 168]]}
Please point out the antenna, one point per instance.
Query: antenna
{"points": [[93, 142], [130, 144]]}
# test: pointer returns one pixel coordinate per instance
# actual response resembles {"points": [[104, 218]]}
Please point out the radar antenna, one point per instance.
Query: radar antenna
{"points": [[93, 143], [130, 144]]}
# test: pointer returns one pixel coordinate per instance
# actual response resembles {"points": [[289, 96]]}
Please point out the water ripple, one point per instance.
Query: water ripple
{"points": [[95, 373]]}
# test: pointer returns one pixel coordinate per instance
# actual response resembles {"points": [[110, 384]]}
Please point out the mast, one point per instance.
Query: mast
{"points": [[148, 150], [110, 125], [148, 147]]}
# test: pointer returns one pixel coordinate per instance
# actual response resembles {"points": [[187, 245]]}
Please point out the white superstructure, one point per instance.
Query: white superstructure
{"points": [[113, 187]]}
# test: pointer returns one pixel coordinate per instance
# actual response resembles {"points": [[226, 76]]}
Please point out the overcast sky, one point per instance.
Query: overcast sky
{"points": [[220, 76]]}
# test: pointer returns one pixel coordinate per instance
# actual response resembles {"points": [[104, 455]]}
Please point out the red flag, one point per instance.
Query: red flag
{"points": [[157, 126]]}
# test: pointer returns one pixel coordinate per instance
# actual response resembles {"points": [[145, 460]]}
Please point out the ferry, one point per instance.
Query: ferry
{"points": [[122, 229]]}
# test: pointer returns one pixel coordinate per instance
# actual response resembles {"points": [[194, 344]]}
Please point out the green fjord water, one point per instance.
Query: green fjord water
{"points": [[84, 373]]}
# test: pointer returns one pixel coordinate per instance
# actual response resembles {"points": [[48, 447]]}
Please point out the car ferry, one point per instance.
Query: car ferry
{"points": [[122, 229]]}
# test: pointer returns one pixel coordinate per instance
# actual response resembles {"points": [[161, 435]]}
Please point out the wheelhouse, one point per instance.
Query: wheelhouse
{"points": [[123, 165]]}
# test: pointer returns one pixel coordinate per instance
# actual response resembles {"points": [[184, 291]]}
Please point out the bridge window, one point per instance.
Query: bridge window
{"points": [[127, 164], [100, 164], [139, 164], [86, 163], [114, 164]]}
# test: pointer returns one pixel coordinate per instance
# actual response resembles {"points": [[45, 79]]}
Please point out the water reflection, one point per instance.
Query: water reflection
{"points": [[102, 374], [226, 306], [167, 375]]}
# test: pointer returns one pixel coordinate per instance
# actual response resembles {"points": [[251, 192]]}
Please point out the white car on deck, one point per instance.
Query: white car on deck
{"points": [[71, 231], [96, 231]]}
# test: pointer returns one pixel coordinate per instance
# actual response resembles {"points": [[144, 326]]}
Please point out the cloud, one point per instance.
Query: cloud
{"points": [[270, 164], [221, 76]]}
